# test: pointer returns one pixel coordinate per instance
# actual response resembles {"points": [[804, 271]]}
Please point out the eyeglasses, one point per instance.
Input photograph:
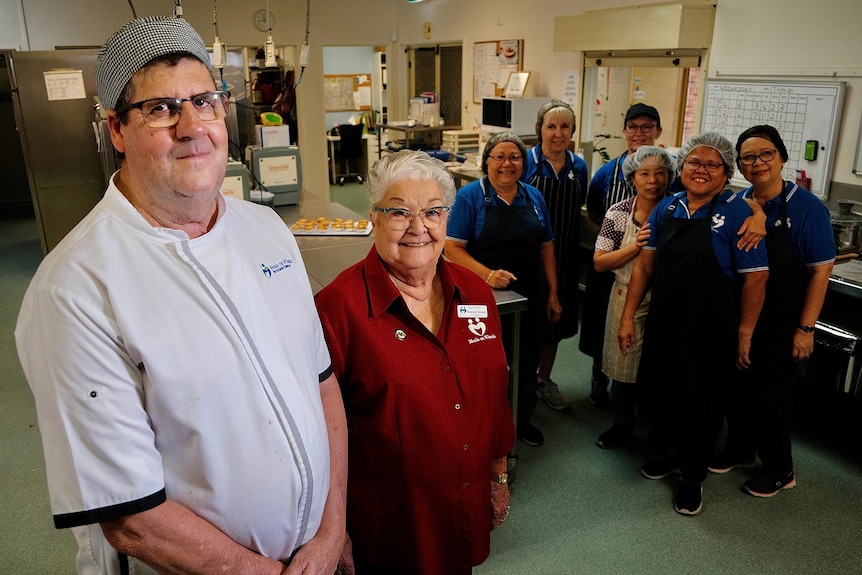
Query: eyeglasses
{"points": [[642, 128], [710, 167], [402, 218], [500, 158], [765, 157], [165, 112]]}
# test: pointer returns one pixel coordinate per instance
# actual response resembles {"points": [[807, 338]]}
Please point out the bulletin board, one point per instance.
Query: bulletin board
{"points": [[346, 92], [492, 63], [802, 112]]}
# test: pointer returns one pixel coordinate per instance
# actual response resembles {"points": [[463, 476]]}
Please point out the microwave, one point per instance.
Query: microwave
{"points": [[513, 114]]}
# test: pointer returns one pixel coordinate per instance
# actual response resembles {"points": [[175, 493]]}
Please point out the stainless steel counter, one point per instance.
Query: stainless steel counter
{"points": [[847, 278]]}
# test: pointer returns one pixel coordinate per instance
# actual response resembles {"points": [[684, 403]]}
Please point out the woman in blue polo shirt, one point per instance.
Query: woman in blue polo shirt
{"points": [[801, 248], [500, 229], [706, 296]]}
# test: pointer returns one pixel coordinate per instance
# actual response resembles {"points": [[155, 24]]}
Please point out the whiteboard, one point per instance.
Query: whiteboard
{"points": [[800, 111]]}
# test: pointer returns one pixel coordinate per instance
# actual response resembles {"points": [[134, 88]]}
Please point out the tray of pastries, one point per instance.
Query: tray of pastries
{"points": [[330, 227]]}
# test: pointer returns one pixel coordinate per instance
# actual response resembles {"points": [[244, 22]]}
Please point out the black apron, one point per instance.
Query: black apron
{"points": [[690, 339], [760, 411], [785, 292], [599, 284], [512, 239], [563, 196]]}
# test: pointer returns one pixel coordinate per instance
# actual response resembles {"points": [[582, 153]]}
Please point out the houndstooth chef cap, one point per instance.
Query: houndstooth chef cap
{"points": [[135, 44]]}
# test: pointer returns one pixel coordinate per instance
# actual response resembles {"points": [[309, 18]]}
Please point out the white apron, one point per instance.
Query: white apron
{"points": [[614, 364]]}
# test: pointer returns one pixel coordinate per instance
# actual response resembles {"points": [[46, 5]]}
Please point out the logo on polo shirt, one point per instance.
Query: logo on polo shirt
{"points": [[717, 221], [478, 328], [269, 270]]}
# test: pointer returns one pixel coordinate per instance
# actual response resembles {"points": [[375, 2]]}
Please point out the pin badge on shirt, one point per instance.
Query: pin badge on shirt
{"points": [[400, 334], [477, 311]]}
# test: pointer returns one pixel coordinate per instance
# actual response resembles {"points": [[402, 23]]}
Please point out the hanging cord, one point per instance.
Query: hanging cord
{"points": [[218, 46], [134, 13], [303, 52]]}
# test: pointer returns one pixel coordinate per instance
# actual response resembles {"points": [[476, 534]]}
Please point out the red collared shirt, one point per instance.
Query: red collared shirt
{"points": [[426, 417]]}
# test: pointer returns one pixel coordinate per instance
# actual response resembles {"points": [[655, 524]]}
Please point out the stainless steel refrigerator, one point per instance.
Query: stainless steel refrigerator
{"points": [[53, 95]]}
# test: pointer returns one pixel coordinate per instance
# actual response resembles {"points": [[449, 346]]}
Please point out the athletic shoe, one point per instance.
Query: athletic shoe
{"points": [[599, 395], [549, 392], [529, 434], [725, 461], [616, 436], [763, 486], [689, 498], [660, 468]]}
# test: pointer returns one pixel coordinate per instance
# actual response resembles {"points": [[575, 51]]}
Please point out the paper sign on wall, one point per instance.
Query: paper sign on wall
{"points": [[65, 85]]}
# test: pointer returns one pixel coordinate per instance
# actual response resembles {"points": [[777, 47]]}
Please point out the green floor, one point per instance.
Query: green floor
{"points": [[576, 509]]}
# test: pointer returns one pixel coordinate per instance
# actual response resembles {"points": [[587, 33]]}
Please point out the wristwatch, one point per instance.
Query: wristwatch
{"points": [[806, 328], [503, 478]]}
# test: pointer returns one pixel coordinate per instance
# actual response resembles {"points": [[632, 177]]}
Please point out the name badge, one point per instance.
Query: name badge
{"points": [[478, 311]]}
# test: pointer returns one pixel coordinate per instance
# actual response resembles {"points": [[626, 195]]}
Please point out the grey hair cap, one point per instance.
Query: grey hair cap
{"points": [[137, 43], [712, 140], [496, 139], [636, 160]]}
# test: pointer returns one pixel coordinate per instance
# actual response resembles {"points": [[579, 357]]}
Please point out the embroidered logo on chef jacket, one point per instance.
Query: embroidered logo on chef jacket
{"points": [[400, 334], [717, 221], [269, 270]]}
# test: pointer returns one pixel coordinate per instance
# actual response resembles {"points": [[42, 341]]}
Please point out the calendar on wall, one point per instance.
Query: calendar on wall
{"points": [[806, 114]]}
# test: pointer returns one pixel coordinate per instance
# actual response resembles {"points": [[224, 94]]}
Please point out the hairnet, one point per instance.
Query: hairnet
{"points": [[637, 159], [135, 44], [712, 140], [502, 137], [555, 105]]}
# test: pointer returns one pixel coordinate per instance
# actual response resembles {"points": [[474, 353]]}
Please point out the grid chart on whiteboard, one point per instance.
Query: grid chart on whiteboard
{"points": [[802, 112], [732, 110]]}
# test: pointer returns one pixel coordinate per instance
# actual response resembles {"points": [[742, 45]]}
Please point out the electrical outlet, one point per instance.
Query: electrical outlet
{"points": [[426, 30]]}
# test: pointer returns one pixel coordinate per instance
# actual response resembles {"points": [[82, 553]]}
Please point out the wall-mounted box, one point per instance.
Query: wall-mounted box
{"points": [[637, 28]]}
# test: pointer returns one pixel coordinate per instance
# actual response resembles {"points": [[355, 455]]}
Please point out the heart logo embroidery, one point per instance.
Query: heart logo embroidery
{"points": [[477, 327]]}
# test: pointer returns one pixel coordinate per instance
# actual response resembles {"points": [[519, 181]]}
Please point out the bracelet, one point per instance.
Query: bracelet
{"points": [[489, 276]]}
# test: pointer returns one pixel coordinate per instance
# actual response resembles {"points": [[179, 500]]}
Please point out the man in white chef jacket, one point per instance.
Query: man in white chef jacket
{"points": [[189, 416]]}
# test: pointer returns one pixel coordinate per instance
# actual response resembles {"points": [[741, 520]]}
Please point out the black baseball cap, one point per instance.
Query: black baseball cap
{"points": [[643, 110]]}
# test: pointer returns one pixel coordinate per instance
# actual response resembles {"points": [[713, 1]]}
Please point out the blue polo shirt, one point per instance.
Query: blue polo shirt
{"points": [[597, 194], [730, 211], [809, 221], [467, 219]]}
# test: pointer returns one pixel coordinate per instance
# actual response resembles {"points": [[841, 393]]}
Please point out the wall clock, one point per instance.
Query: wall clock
{"points": [[263, 20]]}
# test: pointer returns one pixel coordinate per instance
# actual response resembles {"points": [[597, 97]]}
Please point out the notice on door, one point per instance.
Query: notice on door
{"points": [[65, 85]]}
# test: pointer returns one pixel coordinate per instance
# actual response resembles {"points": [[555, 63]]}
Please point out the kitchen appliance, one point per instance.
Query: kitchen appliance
{"points": [[837, 358], [278, 170], [53, 94], [513, 114], [847, 227]]}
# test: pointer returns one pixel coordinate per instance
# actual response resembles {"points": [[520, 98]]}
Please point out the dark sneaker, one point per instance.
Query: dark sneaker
{"points": [[549, 392], [599, 395], [764, 486], [689, 498], [725, 461], [660, 468], [616, 436], [529, 434]]}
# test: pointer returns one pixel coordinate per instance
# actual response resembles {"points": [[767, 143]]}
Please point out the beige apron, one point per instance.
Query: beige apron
{"points": [[614, 364]]}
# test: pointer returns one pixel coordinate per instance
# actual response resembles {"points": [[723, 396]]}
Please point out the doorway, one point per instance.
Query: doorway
{"points": [[611, 85]]}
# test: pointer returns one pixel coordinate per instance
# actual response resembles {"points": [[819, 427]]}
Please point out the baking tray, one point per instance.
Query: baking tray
{"points": [[331, 227]]}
